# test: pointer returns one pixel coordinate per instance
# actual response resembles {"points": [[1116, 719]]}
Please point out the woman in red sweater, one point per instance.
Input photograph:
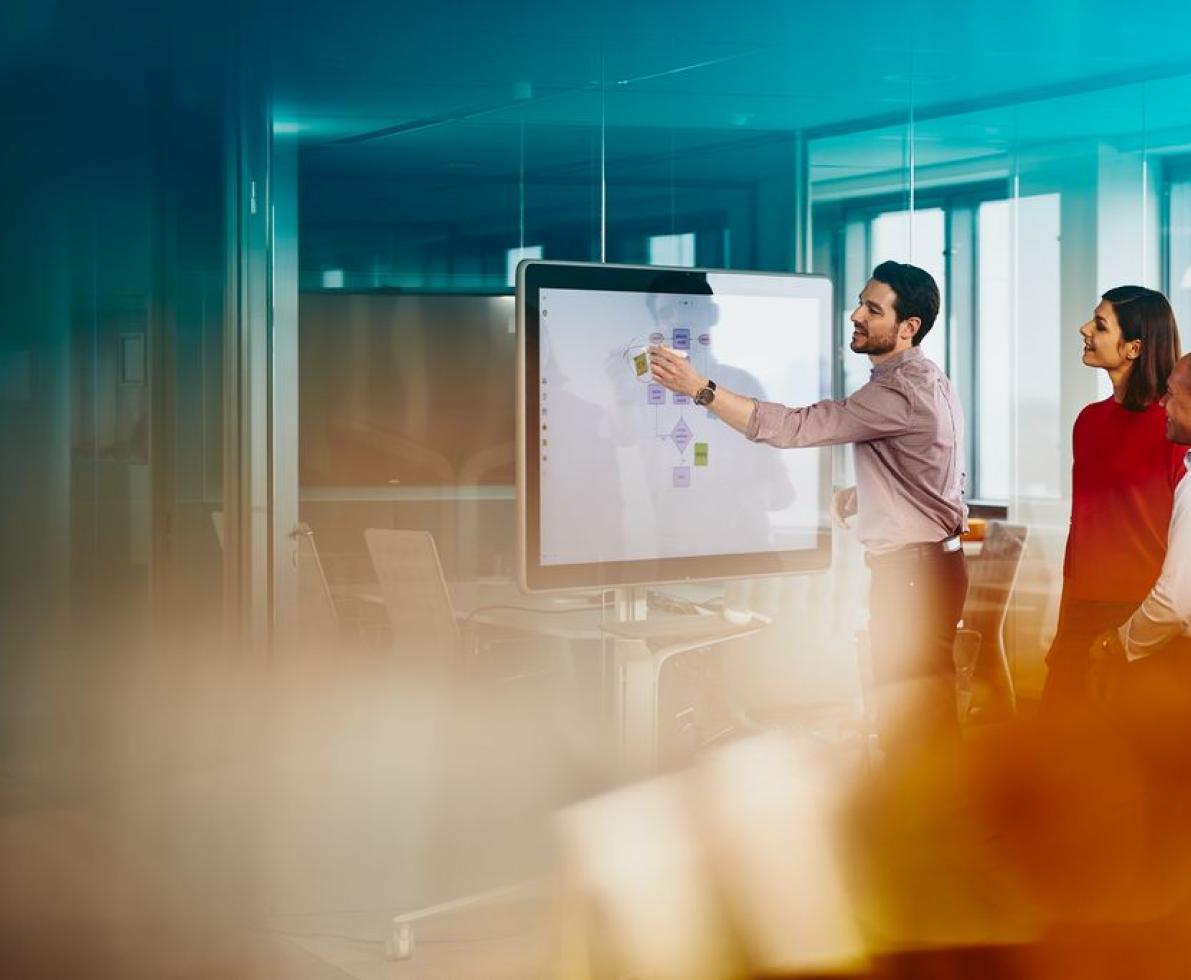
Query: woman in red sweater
{"points": [[1122, 483]]}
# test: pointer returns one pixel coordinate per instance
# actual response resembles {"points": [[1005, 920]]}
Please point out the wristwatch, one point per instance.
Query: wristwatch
{"points": [[705, 395]]}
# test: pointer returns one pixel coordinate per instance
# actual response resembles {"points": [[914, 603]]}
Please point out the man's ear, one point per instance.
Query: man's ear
{"points": [[911, 325]]}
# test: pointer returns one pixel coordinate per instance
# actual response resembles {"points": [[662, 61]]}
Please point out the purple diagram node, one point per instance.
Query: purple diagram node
{"points": [[656, 395], [682, 435], [682, 338], [682, 476]]}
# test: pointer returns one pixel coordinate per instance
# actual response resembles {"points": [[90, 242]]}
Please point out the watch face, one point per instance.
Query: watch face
{"points": [[704, 396]]}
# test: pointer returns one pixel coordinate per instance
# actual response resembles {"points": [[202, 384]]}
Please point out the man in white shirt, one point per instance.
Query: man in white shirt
{"points": [[1163, 620]]}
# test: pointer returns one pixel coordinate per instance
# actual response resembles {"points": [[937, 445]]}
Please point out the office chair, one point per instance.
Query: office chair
{"points": [[416, 598], [984, 689], [427, 637], [984, 681], [424, 622], [318, 616]]}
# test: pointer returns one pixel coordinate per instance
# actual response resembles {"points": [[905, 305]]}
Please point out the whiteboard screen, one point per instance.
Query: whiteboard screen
{"points": [[622, 481]]}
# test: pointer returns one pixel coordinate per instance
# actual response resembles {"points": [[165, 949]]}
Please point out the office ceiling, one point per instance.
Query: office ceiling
{"points": [[685, 89], [362, 66], [776, 66], [471, 89]]}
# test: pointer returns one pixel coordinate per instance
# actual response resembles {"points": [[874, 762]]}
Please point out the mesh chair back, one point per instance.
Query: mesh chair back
{"points": [[416, 597], [991, 577], [317, 614]]}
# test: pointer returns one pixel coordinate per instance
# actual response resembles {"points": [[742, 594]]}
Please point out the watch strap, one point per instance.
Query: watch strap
{"points": [[706, 394]]}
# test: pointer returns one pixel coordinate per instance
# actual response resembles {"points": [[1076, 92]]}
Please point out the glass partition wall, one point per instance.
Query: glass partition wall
{"points": [[405, 380], [257, 287], [406, 248], [1024, 207], [1026, 212]]}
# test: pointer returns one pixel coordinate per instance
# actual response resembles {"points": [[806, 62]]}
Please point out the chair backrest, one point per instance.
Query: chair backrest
{"points": [[991, 576], [419, 606], [316, 607]]}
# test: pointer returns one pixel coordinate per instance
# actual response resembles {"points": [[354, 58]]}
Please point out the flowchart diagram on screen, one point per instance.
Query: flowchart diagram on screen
{"points": [[669, 410]]}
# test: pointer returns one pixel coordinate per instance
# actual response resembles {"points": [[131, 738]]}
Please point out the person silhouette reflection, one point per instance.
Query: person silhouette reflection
{"points": [[711, 493]]}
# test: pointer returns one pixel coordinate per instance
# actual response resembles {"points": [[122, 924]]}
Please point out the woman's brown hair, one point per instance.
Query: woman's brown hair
{"points": [[1145, 315]]}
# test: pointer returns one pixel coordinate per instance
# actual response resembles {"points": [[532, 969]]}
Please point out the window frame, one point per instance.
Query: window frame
{"points": [[1174, 170]]}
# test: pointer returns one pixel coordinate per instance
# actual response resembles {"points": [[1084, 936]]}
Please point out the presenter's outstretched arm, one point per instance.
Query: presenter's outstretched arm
{"points": [[676, 373]]}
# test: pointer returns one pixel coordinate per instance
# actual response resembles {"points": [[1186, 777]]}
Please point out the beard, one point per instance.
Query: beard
{"points": [[873, 346]]}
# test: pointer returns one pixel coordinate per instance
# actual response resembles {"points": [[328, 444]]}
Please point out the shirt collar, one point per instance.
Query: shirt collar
{"points": [[905, 357]]}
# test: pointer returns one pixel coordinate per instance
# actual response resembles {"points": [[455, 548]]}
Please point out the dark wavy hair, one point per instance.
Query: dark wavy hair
{"points": [[1145, 315], [915, 294]]}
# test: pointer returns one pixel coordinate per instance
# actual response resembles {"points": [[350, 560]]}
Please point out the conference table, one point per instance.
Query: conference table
{"points": [[630, 657], [622, 662]]}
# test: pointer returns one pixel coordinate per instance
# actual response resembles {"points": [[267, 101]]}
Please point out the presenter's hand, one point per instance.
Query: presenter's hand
{"points": [[674, 371], [1107, 662], [843, 506]]}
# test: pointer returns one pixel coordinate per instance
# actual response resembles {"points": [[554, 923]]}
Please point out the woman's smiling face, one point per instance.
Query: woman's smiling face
{"points": [[1103, 344]]}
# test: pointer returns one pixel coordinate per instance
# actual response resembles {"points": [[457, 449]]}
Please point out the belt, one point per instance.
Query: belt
{"points": [[927, 549]]}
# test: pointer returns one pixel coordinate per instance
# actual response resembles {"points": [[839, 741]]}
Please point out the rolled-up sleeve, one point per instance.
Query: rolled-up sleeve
{"points": [[875, 411], [1166, 612]]}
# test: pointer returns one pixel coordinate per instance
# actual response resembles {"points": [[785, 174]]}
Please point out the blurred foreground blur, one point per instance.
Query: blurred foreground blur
{"points": [[259, 817], [1031, 852], [254, 302]]}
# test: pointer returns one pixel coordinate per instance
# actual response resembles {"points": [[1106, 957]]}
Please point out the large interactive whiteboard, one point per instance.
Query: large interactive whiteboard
{"points": [[623, 482]]}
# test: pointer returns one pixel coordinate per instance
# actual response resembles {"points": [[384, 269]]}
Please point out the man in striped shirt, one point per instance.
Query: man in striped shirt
{"points": [[906, 426]]}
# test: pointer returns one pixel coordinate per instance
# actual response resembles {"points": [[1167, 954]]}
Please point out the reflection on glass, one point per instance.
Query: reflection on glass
{"points": [[1041, 340], [515, 255], [1018, 296], [681, 483], [856, 270], [675, 250], [993, 351], [1179, 262]]}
